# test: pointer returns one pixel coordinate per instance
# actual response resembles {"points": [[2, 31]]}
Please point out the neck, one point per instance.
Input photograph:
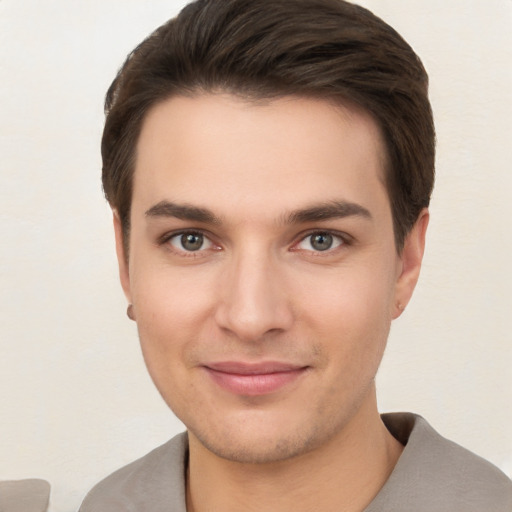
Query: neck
{"points": [[345, 473]]}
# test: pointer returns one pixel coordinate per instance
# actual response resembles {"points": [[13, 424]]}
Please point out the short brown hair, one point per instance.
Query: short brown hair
{"points": [[258, 49]]}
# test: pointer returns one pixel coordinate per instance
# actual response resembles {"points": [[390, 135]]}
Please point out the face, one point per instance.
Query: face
{"points": [[262, 268]]}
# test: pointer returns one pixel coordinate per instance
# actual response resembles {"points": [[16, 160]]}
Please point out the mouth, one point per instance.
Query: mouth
{"points": [[253, 379]]}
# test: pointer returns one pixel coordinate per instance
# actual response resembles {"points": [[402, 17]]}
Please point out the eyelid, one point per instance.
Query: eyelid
{"points": [[346, 240], [167, 237]]}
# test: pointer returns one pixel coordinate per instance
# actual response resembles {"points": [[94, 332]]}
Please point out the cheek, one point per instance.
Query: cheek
{"points": [[351, 316], [172, 312], [172, 296], [166, 331], [350, 296]]}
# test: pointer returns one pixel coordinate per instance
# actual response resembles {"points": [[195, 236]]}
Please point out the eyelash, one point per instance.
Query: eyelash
{"points": [[167, 239], [344, 241]]}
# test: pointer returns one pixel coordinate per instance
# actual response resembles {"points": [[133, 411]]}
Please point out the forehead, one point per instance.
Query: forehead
{"points": [[219, 150]]}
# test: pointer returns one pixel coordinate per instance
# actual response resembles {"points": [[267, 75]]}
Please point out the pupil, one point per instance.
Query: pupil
{"points": [[192, 242], [322, 241]]}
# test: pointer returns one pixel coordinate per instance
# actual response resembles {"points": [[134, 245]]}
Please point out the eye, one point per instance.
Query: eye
{"points": [[320, 241], [190, 241]]}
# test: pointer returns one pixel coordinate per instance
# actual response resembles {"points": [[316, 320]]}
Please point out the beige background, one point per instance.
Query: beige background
{"points": [[75, 400]]}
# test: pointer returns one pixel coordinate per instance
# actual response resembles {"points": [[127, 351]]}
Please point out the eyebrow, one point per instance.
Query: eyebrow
{"points": [[183, 212], [323, 211], [326, 211]]}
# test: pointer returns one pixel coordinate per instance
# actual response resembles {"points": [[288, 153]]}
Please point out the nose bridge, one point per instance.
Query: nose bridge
{"points": [[254, 299]]}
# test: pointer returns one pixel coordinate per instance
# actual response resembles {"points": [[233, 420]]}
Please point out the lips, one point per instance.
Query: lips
{"points": [[253, 379]]}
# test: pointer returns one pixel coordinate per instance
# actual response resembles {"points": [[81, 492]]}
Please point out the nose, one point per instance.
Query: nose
{"points": [[254, 300]]}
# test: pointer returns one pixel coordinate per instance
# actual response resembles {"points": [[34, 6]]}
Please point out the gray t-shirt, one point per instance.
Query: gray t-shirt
{"points": [[432, 475]]}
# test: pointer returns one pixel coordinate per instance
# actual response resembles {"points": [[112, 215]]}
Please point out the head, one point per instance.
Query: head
{"points": [[324, 49], [269, 165]]}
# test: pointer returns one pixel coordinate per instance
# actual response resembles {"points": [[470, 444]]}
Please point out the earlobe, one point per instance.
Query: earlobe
{"points": [[410, 264], [124, 274]]}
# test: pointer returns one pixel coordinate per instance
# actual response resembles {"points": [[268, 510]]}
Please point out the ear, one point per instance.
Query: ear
{"points": [[410, 263], [122, 260]]}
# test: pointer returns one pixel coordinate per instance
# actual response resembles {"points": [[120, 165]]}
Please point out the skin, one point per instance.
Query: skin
{"points": [[258, 183]]}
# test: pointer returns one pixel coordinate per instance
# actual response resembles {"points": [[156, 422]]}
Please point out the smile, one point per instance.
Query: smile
{"points": [[254, 379]]}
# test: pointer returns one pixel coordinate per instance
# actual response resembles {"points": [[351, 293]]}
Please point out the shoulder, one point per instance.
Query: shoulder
{"points": [[434, 473], [151, 483]]}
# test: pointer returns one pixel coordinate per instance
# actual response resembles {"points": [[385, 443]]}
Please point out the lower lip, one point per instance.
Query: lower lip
{"points": [[254, 385]]}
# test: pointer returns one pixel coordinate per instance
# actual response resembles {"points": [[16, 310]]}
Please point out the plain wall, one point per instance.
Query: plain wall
{"points": [[76, 402]]}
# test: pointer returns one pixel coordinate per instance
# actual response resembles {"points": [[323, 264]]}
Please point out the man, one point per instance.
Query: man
{"points": [[270, 165]]}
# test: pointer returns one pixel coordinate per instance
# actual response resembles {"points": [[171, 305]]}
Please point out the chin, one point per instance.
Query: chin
{"points": [[257, 449], [261, 439]]}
